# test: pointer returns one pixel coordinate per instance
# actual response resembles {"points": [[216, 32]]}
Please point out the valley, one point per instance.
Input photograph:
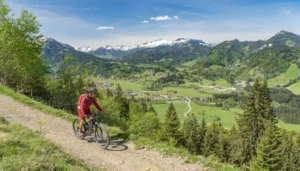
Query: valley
{"points": [[164, 71], [231, 105]]}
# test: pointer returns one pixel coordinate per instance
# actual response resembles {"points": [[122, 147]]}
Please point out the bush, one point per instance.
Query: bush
{"points": [[111, 114], [144, 125]]}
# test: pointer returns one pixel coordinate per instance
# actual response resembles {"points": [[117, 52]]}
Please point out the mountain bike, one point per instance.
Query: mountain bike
{"points": [[92, 126]]}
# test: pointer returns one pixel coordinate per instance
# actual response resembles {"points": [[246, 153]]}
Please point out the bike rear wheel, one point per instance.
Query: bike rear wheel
{"points": [[76, 124], [101, 136]]}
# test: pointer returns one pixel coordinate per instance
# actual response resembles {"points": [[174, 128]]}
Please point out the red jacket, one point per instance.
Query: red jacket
{"points": [[84, 103]]}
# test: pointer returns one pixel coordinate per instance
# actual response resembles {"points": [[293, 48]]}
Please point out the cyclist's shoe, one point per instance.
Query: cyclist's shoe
{"points": [[80, 133]]}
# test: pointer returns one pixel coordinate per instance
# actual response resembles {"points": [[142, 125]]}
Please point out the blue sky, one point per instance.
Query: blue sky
{"points": [[98, 23]]}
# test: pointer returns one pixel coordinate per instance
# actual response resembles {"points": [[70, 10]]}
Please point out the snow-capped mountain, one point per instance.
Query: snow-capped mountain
{"points": [[120, 47], [155, 43], [84, 49], [152, 44]]}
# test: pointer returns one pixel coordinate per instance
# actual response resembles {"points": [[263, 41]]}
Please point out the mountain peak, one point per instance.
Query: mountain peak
{"points": [[283, 32], [287, 38]]}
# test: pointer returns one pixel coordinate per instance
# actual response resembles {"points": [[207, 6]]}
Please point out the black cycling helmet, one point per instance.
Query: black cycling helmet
{"points": [[90, 90]]}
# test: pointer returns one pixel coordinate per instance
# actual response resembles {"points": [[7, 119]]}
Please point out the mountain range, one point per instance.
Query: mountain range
{"points": [[123, 50], [234, 57]]}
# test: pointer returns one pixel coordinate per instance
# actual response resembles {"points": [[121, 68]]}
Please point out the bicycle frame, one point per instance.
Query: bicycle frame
{"points": [[94, 121]]}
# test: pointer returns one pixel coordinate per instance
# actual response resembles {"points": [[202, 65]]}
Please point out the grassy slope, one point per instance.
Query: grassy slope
{"points": [[28, 101], [295, 88], [69, 162], [20, 148], [292, 73], [212, 162]]}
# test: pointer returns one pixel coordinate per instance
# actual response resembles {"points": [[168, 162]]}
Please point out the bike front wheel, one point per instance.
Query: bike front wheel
{"points": [[101, 136], [76, 123]]}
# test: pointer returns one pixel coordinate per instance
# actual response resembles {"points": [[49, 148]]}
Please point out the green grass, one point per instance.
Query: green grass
{"points": [[215, 67], [22, 149], [183, 92], [295, 88], [219, 82], [38, 105], [126, 85], [190, 63], [289, 127], [292, 73], [227, 117], [212, 162], [161, 110], [255, 73], [290, 43]]}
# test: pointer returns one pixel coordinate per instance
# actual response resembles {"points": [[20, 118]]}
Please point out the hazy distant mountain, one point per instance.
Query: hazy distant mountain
{"points": [[120, 51]]}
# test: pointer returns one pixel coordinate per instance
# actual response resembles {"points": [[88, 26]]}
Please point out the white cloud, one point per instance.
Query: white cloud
{"points": [[160, 18], [176, 17], [105, 28], [145, 22]]}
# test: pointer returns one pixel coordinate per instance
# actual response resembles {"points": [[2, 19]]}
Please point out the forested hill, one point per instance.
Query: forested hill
{"points": [[54, 53], [239, 59]]}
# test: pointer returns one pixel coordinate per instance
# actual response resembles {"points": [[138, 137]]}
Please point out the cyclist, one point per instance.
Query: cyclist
{"points": [[84, 103]]}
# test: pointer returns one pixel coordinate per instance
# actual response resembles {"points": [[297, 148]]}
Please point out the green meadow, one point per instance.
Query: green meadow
{"points": [[292, 73]]}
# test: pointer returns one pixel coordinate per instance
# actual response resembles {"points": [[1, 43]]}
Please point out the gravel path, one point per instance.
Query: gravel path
{"points": [[118, 156]]}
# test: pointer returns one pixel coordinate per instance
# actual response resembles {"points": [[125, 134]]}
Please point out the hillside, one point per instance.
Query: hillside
{"points": [[54, 53], [119, 156], [244, 60]]}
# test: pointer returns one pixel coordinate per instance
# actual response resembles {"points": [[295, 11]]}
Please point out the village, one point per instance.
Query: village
{"points": [[168, 97]]}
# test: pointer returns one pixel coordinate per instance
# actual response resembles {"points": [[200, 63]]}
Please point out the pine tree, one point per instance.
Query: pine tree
{"points": [[144, 106], [295, 157], [251, 124], [172, 123], [191, 134], [122, 102], [134, 109], [202, 133], [286, 149], [211, 139], [236, 148], [108, 93], [118, 96], [152, 110], [222, 148], [269, 156], [264, 105]]}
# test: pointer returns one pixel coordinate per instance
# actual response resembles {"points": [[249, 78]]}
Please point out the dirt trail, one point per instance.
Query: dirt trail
{"points": [[121, 157], [190, 108]]}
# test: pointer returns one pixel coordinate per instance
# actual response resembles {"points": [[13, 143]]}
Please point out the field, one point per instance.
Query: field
{"points": [[206, 112], [207, 88], [295, 88], [22, 149], [290, 127], [209, 113], [126, 85], [292, 73], [161, 110]]}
